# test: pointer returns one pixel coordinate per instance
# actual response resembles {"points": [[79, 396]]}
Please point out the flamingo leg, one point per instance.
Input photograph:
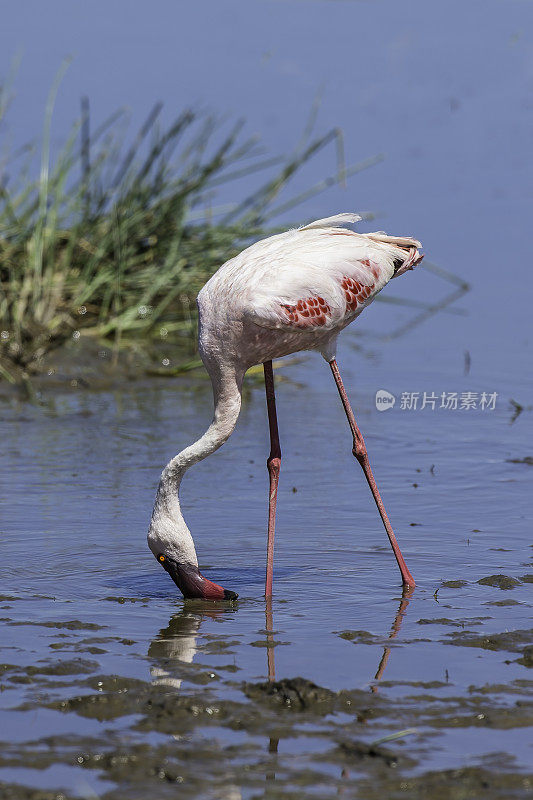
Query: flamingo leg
{"points": [[361, 454], [273, 464]]}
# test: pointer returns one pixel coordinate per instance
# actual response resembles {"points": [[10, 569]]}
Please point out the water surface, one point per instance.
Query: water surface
{"points": [[83, 600]]}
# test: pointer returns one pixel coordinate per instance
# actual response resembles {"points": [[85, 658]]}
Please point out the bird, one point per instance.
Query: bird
{"points": [[290, 292]]}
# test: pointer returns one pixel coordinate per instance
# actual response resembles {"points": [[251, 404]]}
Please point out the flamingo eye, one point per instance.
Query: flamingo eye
{"points": [[161, 558]]}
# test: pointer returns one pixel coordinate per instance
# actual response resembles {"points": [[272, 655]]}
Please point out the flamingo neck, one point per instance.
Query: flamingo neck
{"points": [[169, 534]]}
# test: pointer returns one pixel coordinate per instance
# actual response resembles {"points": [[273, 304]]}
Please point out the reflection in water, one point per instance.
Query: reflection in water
{"points": [[176, 645], [271, 672], [178, 641], [396, 625], [407, 593]]}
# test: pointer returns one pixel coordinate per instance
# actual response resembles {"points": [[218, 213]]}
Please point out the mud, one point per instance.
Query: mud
{"points": [[71, 625], [527, 656], [456, 623], [460, 784], [501, 581], [88, 365], [507, 602], [76, 666], [359, 637], [295, 693], [458, 584], [12, 791], [346, 761], [510, 641], [463, 784]]}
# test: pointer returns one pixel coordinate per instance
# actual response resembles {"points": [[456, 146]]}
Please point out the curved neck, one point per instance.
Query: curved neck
{"points": [[168, 531], [227, 397]]}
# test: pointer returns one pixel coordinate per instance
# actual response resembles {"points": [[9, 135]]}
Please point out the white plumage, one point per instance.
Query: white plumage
{"points": [[290, 292], [311, 261]]}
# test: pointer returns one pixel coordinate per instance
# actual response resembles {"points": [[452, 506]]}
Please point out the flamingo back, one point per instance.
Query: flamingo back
{"points": [[321, 275]]}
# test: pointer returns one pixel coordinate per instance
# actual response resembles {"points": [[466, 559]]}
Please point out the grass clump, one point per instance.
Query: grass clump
{"points": [[113, 240]]}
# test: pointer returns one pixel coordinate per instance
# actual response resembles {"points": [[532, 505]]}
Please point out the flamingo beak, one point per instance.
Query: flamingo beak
{"points": [[192, 583]]}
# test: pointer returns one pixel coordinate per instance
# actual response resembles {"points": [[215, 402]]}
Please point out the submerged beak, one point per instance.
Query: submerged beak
{"points": [[192, 583]]}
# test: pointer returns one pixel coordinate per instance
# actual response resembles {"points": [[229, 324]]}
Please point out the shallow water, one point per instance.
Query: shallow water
{"points": [[83, 600]]}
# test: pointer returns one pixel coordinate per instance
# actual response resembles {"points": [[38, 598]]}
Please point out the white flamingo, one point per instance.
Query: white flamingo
{"points": [[293, 291]]}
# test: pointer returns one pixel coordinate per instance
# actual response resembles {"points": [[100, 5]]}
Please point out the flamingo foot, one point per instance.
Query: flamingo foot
{"points": [[192, 583]]}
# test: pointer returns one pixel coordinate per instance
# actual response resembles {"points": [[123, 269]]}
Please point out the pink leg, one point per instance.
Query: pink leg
{"points": [[360, 452], [273, 464], [269, 627]]}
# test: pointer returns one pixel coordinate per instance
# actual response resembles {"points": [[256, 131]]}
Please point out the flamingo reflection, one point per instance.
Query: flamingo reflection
{"points": [[176, 646], [395, 629]]}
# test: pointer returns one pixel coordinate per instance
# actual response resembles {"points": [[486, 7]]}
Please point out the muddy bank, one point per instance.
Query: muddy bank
{"points": [[162, 709], [337, 753], [84, 364], [471, 783], [365, 743]]}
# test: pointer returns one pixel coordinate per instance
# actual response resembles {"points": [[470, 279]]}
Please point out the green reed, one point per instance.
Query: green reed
{"points": [[114, 239]]}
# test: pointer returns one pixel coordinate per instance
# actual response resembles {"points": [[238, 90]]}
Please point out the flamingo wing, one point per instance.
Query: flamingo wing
{"points": [[321, 274]]}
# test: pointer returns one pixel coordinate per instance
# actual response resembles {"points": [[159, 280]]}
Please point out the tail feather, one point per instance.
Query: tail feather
{"points": [[399, 241], [337, 221]]}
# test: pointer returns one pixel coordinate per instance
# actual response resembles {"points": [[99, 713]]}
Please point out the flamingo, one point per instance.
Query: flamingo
{"points": [[293, 291]]}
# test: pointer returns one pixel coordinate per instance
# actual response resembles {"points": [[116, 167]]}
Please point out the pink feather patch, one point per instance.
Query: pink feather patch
{"points": [[355, 293], [310, 312]]}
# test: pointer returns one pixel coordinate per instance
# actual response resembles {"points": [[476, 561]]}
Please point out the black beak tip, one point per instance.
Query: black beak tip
{"points": [[230, 595]]}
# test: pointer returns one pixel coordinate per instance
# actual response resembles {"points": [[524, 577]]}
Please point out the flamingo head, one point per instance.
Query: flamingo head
{"points": [[191, 582], [412, 260]]}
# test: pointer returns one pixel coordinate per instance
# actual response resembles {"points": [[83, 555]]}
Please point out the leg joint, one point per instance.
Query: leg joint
{"points": [[359, 450], [274, 464]]}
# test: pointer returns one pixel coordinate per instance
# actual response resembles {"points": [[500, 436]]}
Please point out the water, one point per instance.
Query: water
{"points": [[81, 590], [172, 699]]}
